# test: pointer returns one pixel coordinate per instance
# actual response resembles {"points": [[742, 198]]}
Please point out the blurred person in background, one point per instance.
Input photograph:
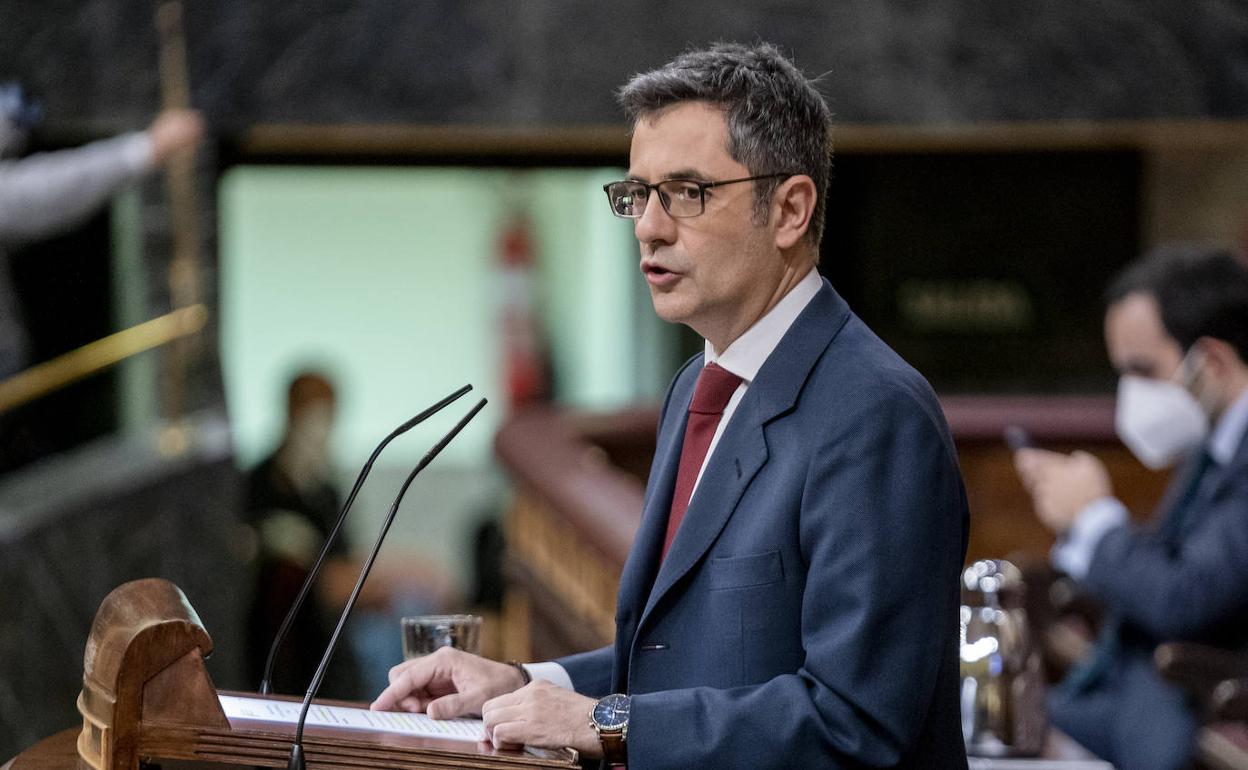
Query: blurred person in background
{"points": [[292, 504], [45, 194], [1176, 329]]}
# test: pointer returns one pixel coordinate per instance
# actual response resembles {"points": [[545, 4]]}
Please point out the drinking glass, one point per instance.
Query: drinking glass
{"points": [[422, 634]]}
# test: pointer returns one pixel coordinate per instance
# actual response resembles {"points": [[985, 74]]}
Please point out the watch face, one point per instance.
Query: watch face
{"points": [[611, 713]]}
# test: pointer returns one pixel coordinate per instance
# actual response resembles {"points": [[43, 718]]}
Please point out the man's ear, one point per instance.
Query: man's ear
{"points": [[1222, 374], [792, 207], [1219, 356]]}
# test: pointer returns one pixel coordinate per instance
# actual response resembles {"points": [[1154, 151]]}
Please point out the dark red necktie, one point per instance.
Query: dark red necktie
{"points": [[712, 393]]}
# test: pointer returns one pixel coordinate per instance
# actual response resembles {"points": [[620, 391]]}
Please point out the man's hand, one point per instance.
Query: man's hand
{"points": [[544, 715], [174, 131], [1061, 485], [446, 684]]}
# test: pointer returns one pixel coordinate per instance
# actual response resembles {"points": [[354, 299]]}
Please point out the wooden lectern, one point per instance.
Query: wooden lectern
{"points": [[146, 696]]}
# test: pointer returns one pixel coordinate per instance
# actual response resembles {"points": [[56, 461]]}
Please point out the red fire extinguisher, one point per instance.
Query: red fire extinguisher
{"points": [[524, 366]]}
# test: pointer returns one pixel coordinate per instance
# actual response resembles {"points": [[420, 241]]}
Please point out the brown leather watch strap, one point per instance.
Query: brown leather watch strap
{"points": [[614, 747]]}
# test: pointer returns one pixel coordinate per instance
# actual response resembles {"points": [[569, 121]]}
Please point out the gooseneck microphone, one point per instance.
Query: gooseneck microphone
{"points": [[296, 761], [284, 629]]}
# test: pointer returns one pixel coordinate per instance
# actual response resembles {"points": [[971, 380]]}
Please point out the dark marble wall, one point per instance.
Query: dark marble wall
{"points": [[83, 524], [557, 62], [506, 62]]}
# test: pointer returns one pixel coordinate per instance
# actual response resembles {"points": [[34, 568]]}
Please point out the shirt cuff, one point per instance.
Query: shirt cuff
{"points": [[1073, 553], [137, 152], [550, 672]]}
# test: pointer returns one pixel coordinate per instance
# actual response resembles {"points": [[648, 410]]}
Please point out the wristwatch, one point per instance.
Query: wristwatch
{"points": [[609, 718]]}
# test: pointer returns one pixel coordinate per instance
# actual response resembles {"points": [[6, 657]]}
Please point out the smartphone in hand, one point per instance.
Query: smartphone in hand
{"points": [[1016, 438]]}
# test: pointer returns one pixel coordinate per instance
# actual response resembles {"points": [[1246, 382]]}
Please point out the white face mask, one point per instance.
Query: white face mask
{"points": [[1158, 420]]}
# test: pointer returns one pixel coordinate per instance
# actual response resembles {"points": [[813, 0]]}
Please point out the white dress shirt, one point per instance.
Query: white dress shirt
{"points": [[744, 357]]}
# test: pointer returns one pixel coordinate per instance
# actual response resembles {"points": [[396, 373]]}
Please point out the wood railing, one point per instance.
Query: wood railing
{"points": [[579, 480]]}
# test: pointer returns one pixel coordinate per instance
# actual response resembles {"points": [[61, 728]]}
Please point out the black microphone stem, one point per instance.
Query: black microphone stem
{"points": [[284, 629], [296, 749]]}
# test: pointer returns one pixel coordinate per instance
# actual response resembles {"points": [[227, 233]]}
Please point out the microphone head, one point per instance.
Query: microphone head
{"points": [[430, 411]]}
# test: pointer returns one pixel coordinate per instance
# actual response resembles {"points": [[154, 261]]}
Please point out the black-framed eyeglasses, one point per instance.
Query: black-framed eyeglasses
{"points": [[680, 197]]}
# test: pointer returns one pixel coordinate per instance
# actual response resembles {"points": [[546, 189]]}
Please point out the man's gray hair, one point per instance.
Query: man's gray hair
{"points": [[777, 121]]}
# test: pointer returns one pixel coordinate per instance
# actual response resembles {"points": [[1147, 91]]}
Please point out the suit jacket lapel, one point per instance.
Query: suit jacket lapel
{"points": [[1224, 474], [643, 558], [1180, 495], [742, 449], [1182, 507]]}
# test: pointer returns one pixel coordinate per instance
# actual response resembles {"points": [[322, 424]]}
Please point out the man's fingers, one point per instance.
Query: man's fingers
{"points": [[504, 720], [413, 705], [395, 671], [445, 684], [396, 691], [404, 684], [450, 706], [1035, 465], [1025, 462], [498, 701], [509, 735], [493, 714], [385, 700], [505, 723], [1090, 462]]}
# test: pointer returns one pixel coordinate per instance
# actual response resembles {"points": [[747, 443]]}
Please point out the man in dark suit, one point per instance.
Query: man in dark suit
{"points": [[791, 598], [1177, 331]]}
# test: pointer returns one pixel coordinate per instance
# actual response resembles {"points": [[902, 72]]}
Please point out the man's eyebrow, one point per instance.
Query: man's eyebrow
{"points": [[685, 173], [680, 173]]}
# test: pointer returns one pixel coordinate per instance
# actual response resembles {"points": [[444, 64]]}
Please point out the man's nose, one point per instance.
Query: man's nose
{"points": [[654, 224]]}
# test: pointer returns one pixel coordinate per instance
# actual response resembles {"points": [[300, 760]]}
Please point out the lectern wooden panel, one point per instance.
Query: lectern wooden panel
{"points": [[147, 696]]}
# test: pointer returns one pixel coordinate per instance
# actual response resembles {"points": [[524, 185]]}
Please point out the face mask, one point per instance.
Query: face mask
{"points": [[1158, 420], [305, 453]]}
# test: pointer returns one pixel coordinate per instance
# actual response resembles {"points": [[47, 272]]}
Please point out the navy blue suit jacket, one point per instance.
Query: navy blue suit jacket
{"points": [[1192, 584], [807, 613], [1179, 580]]}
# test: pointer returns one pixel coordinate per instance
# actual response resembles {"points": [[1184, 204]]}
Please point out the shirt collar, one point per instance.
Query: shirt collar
{"points": [[1230, 431], [747, 353]]}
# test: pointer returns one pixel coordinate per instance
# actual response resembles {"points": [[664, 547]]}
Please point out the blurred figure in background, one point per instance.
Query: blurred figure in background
{"points": [[47, 193], [1176, 329], [292, 503]]}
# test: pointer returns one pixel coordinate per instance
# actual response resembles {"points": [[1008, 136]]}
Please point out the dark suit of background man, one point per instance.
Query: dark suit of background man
{"points": [[1177, 331], [805, 613]]}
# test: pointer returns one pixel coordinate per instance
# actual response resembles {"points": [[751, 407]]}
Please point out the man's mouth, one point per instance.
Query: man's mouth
{"points": [[655, 267], [658, 275]]}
